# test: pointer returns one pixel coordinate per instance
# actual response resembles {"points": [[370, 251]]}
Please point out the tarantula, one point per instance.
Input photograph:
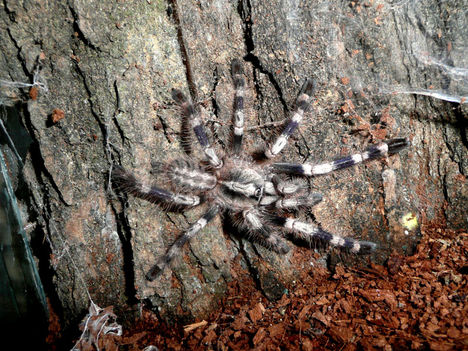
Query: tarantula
{"points": [[259, 194]]}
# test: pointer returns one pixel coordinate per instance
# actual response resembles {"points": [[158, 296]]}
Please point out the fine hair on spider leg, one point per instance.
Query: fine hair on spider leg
{"points": [[302, 106], [177, 246], [190, 112], [383, 149], [128, 183], [262, 199]]}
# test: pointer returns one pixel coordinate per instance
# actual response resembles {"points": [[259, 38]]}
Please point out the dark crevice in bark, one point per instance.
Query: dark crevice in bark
{"points": [[124, 233], [38, 163], [244, 9], [117, 108], [79, 32], [183, 50], [42, 214], [123, 228], [462, 125], [252, 268], [20, 58], [166, 128], [102, 126], [125, 236], [11, 14], [231, 230], [303, 153]]}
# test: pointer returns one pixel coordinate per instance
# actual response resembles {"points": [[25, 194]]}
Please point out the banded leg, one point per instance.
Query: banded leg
{"points": [[263, 234], [238, 114], [310, 231], [176, 248], [302, 106], [375, 151], [308, 200], [128, 183], [194, 118]]}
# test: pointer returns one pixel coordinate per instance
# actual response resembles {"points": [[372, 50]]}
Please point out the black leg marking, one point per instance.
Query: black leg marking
{"points": [[289, 168], [302, 106], [375, 151], [193, 116], [128, 183], [309, 231]]}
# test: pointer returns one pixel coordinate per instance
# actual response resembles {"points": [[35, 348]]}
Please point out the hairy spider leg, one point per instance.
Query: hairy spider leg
{"points": [[193, 116], [309, 231], [302, 106], [128, 183], [388, 147], [176, 248], [308, 200], [262, 233], [292, 192], [237, 72]]}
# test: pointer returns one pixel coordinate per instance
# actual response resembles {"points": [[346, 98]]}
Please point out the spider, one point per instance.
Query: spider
{"points": [[259, 195]]}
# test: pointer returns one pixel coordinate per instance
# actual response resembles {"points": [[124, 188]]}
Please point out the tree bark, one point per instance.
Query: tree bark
{"points": [[110, 67]]}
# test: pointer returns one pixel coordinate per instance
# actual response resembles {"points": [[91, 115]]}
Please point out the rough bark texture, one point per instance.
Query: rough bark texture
{"points": [[110, 66]]}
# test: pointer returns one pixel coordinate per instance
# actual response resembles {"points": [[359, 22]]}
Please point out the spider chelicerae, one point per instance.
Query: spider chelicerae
{"points": [[258, 194]]}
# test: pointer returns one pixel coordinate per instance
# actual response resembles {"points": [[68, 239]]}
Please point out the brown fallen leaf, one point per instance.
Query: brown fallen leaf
{"points": [[256, 313], [259, 336]]}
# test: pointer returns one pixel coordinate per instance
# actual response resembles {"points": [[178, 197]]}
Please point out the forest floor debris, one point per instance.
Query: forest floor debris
{"points": [[417, 302]]}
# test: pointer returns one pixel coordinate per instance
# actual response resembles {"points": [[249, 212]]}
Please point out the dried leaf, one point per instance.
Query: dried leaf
{"points": [[259, 336], [189, 327]]}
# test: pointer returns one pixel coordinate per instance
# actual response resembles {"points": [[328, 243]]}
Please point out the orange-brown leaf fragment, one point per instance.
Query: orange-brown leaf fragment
{"points": [[276, 329], [341, 334], [322, 301], [33, 92], [453, 333], [259, 336], [57, 115], [256, 313], [320, 317], [240, 321], [188, 328], [208, 339]]}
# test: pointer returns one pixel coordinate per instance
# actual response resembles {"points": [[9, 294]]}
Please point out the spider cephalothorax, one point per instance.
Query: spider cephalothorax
{"points": [[258, 195]]}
